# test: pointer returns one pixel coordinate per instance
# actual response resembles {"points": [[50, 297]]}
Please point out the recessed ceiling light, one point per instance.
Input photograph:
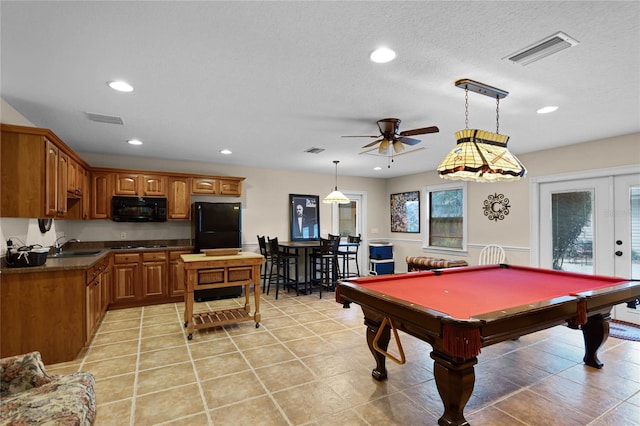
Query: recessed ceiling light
{"points": [[547, 109], [134, 142], [377, 168], [382, 55], [120, 86], [225, 151]]}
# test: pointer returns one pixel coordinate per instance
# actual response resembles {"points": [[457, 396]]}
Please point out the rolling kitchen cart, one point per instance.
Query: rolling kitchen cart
{"points": [[202, 271]]}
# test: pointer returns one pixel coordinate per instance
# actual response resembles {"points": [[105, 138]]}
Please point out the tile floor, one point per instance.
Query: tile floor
{"points": [[308, 364]]}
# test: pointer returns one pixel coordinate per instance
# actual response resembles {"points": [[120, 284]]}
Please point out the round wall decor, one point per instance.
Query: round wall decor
{"points": [[496, 207]]}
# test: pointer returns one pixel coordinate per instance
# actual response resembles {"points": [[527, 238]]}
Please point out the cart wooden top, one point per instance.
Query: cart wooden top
{"points": [[242, 258]]}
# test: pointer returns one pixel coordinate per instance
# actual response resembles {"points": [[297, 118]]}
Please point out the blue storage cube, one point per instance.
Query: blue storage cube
{"points": [[383, 267], [380, 251]]}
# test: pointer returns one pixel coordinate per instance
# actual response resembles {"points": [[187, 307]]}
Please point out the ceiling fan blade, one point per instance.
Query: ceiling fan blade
{"points": [[384, 145], [409, 141], [408, 152], [372, 143], [397, 146], [422, 131]]}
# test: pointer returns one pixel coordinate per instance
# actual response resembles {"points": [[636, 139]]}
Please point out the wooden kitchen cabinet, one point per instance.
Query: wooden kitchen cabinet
{"points": [[34, 165], [154, 274], [75, 179], [126, 277], [146, 185], [217, 186], [101, 184], [179, 200], [176, 285], [97, 296]]}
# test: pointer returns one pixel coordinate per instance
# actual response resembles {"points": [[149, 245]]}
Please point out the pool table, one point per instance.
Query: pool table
{"points": [[458, 311]]}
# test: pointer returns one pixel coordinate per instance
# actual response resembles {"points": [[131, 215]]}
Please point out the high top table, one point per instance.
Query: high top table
{"points": [[201, 272]]}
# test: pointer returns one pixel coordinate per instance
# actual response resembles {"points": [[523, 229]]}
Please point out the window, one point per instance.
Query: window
{"points": [[446, 224]]}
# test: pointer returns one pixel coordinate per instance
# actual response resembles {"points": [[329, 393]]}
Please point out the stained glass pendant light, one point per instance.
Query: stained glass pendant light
{"points": [[480, 155], [336, 196]]}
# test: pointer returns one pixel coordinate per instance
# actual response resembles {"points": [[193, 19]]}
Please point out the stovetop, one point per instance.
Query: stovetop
{"points": [[138, 247]]}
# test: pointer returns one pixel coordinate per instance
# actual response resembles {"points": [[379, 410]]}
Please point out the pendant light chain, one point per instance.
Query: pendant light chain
{"points": [[497, 115], [466, 107]]}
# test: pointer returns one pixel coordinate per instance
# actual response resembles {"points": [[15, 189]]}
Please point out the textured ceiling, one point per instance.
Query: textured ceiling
{"points": [[269, 80]]}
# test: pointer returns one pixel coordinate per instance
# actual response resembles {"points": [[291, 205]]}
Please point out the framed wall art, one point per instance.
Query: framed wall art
{"points": [[304, 223], [405, 212]]}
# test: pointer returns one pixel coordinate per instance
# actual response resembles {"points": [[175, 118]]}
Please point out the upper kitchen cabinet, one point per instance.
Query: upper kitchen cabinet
{"points": [[101, 191], [140, 185], [179, 200], [35, 174], [231, 186]]}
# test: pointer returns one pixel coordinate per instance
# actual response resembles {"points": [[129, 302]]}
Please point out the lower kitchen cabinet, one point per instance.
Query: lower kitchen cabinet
{"points": [[176, 286], [97, 296], [154, 274], [126, 278]]}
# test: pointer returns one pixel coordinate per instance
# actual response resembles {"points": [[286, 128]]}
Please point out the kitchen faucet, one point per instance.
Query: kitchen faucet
{"points": [[57, 246]]}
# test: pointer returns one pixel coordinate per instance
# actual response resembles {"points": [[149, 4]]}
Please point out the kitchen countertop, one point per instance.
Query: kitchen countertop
{"points": [[84, 262]]}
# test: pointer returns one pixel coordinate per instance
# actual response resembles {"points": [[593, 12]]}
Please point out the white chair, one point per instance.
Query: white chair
{"points": [[492, 254]]}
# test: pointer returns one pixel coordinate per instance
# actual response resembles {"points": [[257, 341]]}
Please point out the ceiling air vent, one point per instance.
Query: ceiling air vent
{"points": [[314, 150], [548, 46], [101, 118]]}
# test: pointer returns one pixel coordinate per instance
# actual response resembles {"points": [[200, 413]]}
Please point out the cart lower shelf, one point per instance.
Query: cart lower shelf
{"points": [[217, 318]]}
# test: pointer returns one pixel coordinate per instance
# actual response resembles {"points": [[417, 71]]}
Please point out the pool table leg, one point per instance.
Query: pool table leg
{"points": [[380, 372], [454, 381], [595, 333]]}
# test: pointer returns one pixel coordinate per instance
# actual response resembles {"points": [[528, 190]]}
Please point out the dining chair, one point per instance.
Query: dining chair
{"points": [[492, 254], [266, 266]]}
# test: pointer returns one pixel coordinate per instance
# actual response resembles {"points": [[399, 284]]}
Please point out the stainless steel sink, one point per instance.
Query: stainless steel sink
{"points": [[76, 253]]}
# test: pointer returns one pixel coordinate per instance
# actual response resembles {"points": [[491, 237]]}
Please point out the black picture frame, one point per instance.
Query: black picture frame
{"points": [[405, 212], [307, 226]]}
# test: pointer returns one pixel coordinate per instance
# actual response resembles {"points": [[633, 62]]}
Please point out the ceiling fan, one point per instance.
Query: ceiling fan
{"points": [[389, 136]]}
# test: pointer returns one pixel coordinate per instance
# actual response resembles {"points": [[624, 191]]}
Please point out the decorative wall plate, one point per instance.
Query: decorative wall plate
{"points": [[496, 207]]}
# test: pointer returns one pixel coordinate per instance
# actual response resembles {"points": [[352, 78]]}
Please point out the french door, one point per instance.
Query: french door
{"points": [[592, 226], [348, 219]]}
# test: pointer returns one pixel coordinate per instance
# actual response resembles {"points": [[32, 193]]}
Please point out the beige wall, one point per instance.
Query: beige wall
{"points": [[265, 199], [513, 231]]}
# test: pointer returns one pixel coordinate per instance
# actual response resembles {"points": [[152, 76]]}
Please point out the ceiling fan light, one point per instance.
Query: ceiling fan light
{"points": [[120, 86]]}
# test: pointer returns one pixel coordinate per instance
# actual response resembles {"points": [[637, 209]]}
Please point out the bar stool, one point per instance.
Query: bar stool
{"points": [[324, 261], [266, 266], [348, 255], [283, 262]]}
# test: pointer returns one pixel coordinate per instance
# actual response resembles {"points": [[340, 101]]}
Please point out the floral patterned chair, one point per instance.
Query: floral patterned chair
{"points": [[30, 396]]}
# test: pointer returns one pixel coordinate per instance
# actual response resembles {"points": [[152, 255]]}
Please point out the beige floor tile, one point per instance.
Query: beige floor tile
{"points": [[259, 337], [155, 310], [209, 348], [167, 405], [97, 353], [109, 326], [284, 375], [308, 346], [105, 338], [312, 316], [273, 323], [328, 364], [221, 365], [310, 401], [114, 388], [157, 379], [114, 413], [293, 332], [131, 314], [343, 418], [534, 409], [162, 357], [199, 419], [112, 366], [357, 388], [395, 409], [257, 411], [326, 326], [231, 389], [624, 414], [491, 416], [173, 327], [267, 355], [162, 342]]}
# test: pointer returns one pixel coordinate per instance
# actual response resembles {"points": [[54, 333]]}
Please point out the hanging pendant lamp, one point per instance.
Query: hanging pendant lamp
{"points": [[336, 196], [479, 155]]}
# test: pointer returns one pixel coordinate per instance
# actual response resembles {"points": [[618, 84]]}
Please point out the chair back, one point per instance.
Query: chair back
{"points": [[491, 254], [354, 240], [262, 242], [273, 247]]}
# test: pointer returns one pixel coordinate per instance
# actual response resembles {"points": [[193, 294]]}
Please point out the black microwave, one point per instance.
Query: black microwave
{"points": [[138, 209]]}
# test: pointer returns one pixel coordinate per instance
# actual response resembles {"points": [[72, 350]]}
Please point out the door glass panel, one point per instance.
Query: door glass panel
{"points": [[635, 232], [347, 224], [572, 231]]}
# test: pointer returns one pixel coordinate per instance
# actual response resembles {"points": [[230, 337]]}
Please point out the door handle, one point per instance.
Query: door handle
{"points": [[618, 253]]}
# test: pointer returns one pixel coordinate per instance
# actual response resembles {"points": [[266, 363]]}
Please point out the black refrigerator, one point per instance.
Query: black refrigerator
{"points": [[216, 225]]}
